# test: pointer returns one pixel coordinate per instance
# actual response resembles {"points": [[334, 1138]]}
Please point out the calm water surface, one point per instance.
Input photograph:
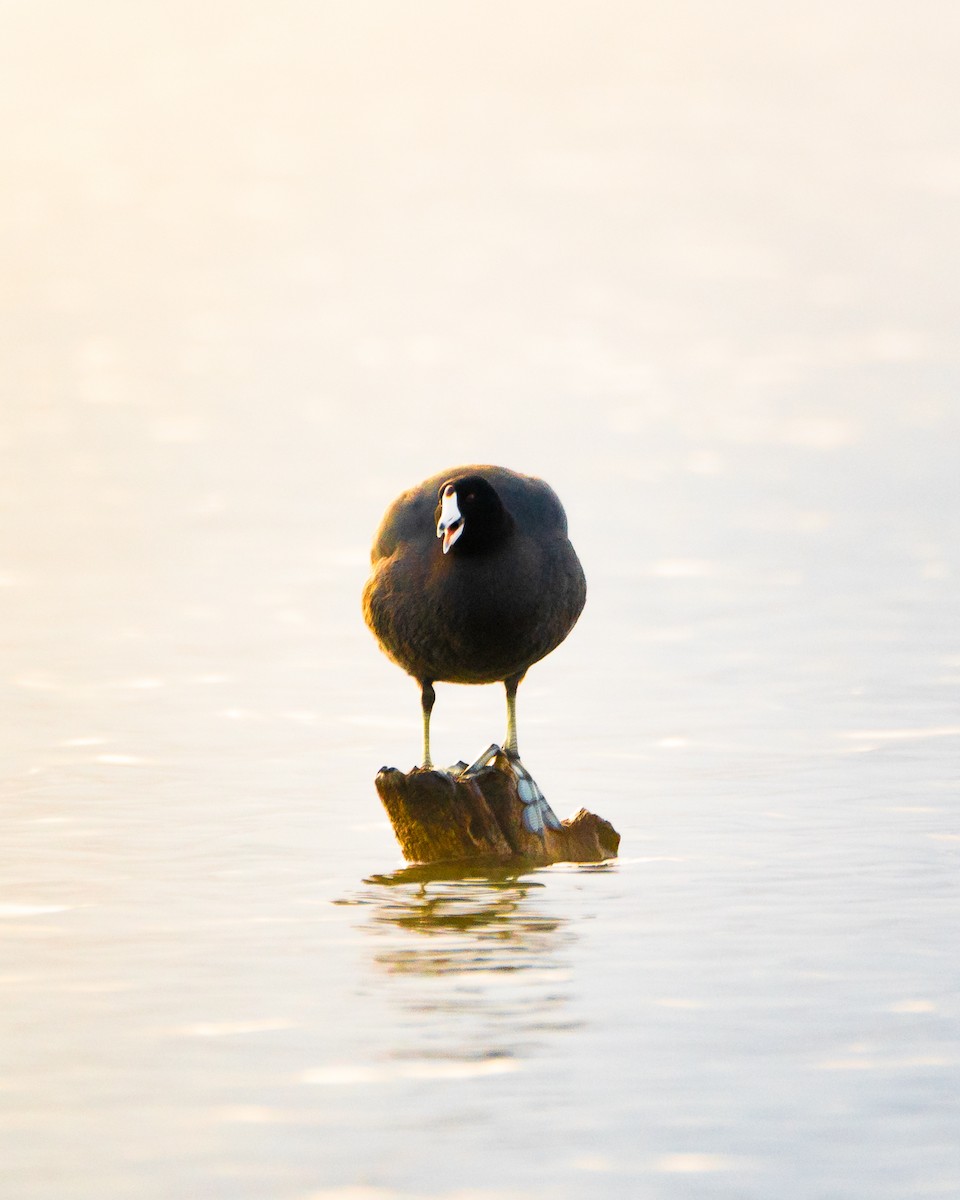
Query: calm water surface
{"points": [[266, 271]]}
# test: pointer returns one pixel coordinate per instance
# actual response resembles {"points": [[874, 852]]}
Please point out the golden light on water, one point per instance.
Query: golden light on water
{"points": [[263, 268]]}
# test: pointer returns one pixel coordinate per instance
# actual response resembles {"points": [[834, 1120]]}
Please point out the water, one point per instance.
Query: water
{"points": [[698, 270]]}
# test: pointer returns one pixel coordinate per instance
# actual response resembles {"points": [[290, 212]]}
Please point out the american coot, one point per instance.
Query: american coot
{"points": [[473, 581]]}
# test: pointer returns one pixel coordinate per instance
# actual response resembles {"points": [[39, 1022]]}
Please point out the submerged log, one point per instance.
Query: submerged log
{"points": [[478, 813]]}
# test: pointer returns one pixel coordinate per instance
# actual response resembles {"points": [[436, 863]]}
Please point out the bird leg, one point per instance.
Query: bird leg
{"points": [[511, 684], [427, 697], [537, 813]]}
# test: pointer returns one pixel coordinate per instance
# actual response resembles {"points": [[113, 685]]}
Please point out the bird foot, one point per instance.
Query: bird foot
{"points": [[537, 813], [485, 759]]}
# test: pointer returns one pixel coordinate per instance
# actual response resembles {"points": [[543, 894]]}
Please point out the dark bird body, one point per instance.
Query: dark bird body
{"points": [[503, 589]]}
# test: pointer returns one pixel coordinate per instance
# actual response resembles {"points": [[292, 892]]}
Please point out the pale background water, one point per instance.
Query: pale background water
{"points": [[264, 266]]}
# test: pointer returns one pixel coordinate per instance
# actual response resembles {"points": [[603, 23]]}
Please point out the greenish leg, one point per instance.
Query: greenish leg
{"points": [[427, 697], [511, 684]]}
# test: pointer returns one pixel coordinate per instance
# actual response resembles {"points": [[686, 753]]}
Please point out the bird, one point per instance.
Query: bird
{"points": [[473, 580]]}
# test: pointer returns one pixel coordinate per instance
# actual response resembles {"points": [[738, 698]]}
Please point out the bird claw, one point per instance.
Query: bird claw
{"points": [[485, 759], [537, 815]]}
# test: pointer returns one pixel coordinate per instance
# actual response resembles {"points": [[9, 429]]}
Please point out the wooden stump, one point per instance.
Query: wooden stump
{"points": [[441, 816]]}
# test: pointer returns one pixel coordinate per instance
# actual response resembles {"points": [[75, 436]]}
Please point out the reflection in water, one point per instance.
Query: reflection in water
{"points": [[473, 923], [476, 963]]}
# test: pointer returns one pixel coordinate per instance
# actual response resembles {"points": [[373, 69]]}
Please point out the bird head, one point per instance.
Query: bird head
{"points": [[471, 516]]}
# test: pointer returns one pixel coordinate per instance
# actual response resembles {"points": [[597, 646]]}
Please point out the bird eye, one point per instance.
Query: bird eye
{"points": [[469, 497]]}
